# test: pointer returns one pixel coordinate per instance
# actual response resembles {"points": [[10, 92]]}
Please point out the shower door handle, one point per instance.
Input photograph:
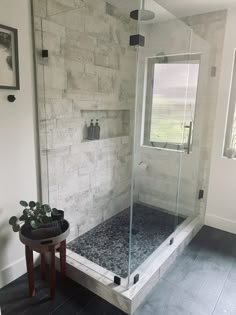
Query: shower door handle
{"points": [[190, 130]]}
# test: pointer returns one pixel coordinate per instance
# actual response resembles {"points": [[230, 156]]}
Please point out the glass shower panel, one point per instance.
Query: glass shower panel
{"points": [[193, 160], [41, 110], [162, 85], [89, 81]]}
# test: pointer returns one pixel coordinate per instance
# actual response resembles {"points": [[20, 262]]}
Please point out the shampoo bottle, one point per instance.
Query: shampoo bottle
{"points": [[97, 130], [91, 131]]}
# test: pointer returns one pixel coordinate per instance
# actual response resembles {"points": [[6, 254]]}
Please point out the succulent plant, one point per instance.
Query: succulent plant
{"points": [[34, 215]]}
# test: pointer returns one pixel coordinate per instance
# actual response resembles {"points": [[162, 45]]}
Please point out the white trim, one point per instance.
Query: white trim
{"points": [[12, 272], [220, 223], [15, 270], [227, 129]]}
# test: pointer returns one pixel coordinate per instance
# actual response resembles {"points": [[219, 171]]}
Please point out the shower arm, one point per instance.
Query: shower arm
{"points": [[142, 4]]}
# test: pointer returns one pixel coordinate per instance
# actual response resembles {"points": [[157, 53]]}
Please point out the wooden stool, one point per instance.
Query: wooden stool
{"points": [[42, 247]]}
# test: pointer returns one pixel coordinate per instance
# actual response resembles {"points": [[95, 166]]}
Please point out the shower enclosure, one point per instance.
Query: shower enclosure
{"points": [[145, 77]]}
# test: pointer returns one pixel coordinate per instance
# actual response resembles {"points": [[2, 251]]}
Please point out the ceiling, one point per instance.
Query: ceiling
{"points": [[165, 9], [182, 8]]}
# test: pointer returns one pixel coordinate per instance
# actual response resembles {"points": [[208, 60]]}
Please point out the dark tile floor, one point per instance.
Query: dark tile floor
{"points": [[108, 243], [201, 282]]}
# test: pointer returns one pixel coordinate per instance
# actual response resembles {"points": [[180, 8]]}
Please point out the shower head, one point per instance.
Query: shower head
{"points": [[142, 14], [146, 15]]}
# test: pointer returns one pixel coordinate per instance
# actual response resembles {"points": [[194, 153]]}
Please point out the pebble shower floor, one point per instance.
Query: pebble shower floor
{"points": [[107, 244]]}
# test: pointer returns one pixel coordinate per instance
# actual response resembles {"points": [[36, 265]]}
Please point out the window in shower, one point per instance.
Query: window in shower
{"points": [[230, 139], [171, 91]]}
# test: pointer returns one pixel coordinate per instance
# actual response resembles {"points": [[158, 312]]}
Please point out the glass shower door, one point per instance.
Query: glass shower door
{"points": [[160, 136], [193, 159]]}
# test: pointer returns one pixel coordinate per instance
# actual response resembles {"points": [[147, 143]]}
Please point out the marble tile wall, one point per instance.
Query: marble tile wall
{"points": [[91, 69]]}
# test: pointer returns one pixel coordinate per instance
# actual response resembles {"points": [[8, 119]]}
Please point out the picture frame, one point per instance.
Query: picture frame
{"points": [[9, 59]]}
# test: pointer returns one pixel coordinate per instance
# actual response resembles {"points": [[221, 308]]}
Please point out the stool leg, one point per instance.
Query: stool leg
{"points": [[30, 269], [63, 259], [42, 266], [53, 272]]}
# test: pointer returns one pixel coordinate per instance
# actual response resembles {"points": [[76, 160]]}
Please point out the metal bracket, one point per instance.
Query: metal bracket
{"points": [[136, 278], [137, 40], [213, 71], [201, 194], [117, 280], [45, 53]]}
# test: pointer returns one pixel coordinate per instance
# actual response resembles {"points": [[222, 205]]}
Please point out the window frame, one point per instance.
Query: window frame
{"points": [[194, 58], [231, 112]]}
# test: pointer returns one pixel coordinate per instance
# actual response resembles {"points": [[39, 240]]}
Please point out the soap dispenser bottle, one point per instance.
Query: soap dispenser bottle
{"points": [[97, 130], [91, 130]]}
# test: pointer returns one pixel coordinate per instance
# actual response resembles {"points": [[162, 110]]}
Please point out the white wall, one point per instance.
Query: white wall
{"points": [[17, 142], [221, 204]]}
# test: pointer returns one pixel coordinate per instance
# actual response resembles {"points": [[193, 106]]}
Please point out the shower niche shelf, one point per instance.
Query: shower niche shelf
{"points": [[103, 139], [113, 123]]}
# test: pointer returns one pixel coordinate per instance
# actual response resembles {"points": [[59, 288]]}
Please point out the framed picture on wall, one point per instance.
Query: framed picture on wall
{"points": [[9, 60]]}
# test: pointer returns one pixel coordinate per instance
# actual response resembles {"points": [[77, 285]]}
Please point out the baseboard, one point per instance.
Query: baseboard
{"points": [[12, 272], [220, 223], [15, 270]]}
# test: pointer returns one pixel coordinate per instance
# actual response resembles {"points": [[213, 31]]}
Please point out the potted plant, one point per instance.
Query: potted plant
{"points": [[38, 220]]}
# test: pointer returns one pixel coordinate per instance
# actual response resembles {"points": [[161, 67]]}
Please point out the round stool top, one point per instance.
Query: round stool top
{"points": [[45, 241]]}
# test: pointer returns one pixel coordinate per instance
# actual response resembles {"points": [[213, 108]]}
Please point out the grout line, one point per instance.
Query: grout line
{"points": [[57, 307], [226, 279], [63, 12], [194, 261], [183, 289]]}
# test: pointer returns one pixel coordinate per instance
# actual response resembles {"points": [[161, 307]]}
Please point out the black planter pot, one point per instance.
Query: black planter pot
{"points": [[59, 216], [45, 230], [27, 228]]}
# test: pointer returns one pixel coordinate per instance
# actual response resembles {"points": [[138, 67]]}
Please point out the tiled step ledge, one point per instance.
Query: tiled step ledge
{"points": [[128, 300]]}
